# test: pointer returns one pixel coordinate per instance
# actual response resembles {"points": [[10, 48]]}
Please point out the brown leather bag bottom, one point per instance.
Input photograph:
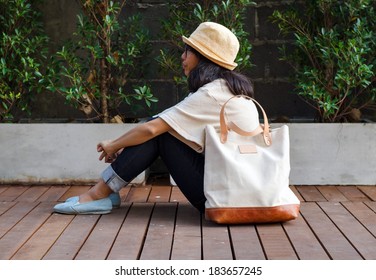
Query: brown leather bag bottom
{"points": [[252, 215]]}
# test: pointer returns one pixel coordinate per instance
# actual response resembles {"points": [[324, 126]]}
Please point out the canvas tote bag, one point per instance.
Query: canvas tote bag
{"points": [[246, 177]]}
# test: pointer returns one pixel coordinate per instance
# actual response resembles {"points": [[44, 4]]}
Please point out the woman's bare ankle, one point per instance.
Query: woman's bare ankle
{"points": [[85, 197], [99, 191]]}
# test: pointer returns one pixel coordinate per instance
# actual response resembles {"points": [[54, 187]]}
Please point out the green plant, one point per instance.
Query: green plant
{"points": [[185, 16], [335, 55], [23, 50], [104, 56]]}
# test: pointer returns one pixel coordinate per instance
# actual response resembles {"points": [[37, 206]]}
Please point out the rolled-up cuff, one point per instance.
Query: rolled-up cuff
{"points": [[114, 181]]}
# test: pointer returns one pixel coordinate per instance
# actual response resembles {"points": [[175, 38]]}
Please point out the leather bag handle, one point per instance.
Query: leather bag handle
{"points": [[225, 127]]}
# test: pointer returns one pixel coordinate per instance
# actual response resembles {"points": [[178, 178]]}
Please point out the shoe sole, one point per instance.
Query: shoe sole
{"points": [[85, 213]]}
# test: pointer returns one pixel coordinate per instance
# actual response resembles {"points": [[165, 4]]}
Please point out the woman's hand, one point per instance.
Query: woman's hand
{"points": [[110, 149], [107, 151]]}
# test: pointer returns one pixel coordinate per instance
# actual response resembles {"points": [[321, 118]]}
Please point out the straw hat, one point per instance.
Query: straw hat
{"points": [[216, 42]]}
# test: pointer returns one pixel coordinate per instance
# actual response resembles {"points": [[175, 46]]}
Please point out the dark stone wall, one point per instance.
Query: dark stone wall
{"points": [[270, 75]]}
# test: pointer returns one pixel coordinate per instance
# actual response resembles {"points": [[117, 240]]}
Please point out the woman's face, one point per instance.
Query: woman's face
{"points": [[189, 60]]}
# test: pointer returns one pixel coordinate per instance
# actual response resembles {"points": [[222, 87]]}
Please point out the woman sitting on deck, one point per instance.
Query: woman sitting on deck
{"points": [[177, 135]]}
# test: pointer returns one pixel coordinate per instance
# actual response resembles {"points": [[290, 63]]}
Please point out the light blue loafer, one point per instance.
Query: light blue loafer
{"points": [[115, 199], [73, 207]]}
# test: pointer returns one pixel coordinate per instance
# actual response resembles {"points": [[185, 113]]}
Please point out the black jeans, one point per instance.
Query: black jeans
{"points": [[185, 165]]}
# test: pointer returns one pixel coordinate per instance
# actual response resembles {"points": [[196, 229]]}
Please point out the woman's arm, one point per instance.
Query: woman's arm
{"points": [[135, 136]]}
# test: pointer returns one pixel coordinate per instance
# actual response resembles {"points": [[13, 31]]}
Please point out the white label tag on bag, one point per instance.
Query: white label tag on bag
{"points": [[248, 149]]}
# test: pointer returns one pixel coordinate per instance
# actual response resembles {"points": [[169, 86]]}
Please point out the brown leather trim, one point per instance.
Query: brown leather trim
{"points": [[246, 215]]}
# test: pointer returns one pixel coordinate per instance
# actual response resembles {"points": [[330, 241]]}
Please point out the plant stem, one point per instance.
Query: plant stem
{"points": [[104, 90]]}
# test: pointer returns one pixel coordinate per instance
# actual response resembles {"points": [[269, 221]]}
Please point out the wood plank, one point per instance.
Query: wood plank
{"points": [[23, 230], [361, 238], [130, 240], [32, 193], [310, 193], [124, 193], [11, 193], [5, 206], [371, 205], [331, 193], [216, 241], [102, 237], [336, 245], [158, 242], [369, 191], [10, 218], [160, 194], [178, 196], [72, 238], [363, 214], [187, 236], [353, 193], [40, 242], [54, 193], [245, 242], [275, 242], [74, 191], [327, 229], [3, 188], [305, 243], [138, 194], [296, 192]]}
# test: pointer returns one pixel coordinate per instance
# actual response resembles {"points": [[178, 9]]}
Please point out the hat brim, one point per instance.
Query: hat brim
{"points": [[209, 54]]}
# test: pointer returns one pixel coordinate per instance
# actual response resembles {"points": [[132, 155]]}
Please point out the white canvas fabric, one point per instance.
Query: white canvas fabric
{"points": [[247, 177], [189, 117]]}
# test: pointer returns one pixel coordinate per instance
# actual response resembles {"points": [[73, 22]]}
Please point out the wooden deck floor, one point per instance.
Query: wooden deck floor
{"points": [[155, 222]]}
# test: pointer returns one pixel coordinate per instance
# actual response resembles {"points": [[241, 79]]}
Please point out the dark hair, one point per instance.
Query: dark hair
{"points": [[207, 71]]}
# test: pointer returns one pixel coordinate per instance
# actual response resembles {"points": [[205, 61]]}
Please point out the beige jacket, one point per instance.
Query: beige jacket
{"points": [[201, 108]]}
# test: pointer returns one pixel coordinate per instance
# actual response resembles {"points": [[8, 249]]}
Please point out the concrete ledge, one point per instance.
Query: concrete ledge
{"points": [[55, 153], [321, 154], [332, 154]]}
